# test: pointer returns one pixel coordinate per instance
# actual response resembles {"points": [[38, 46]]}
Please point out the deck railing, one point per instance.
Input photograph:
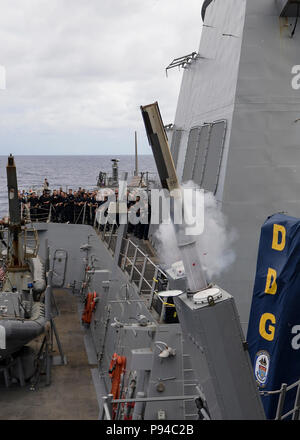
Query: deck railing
{"points": [[113, 409], [147, 277], [295, 412]]}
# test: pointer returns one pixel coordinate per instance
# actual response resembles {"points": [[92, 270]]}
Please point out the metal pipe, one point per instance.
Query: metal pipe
{"points": [[139, 407], [155, 399], [48, 293], [136, 154], [281, 402]]}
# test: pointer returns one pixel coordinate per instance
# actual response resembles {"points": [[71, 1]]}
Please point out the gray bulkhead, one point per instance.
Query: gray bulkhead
{"points": [[242, 79]]}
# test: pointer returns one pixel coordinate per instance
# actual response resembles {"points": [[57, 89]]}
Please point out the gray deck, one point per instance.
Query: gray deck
{"points": [[71, 395]]}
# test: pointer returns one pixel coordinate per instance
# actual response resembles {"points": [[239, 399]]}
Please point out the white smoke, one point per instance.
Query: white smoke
{"points": [[214, 245], [167, 246]]}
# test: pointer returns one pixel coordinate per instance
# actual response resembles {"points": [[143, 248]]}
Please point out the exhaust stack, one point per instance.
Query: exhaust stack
{"points": [[12, 186]]}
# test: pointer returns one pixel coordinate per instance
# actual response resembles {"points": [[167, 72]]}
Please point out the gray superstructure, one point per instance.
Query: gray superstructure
{"points": [[237, 128]]}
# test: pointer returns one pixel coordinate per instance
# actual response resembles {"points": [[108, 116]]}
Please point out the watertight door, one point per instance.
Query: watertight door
{"points": [[59, 267]]}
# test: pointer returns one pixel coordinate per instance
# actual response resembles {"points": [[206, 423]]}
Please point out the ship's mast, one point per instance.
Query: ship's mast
{"points": [[14, 212], [136, 154]]}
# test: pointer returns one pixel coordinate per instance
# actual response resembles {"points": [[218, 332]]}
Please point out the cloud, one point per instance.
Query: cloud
{"points": [[89, 65]]}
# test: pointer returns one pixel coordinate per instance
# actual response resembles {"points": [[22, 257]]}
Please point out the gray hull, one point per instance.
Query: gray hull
{"points": [[130, 320]]}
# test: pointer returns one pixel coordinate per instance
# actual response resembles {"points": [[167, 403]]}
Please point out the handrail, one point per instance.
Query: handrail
{"points": [[134, 261], [146, 262], [282, 395], [108, 402]]}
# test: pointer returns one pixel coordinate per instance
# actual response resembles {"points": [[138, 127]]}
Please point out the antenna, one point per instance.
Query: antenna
{"points": [[136, 155]]}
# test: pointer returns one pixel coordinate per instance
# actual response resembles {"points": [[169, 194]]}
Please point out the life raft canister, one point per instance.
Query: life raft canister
{"points": [[90, 303], [116, 369]]}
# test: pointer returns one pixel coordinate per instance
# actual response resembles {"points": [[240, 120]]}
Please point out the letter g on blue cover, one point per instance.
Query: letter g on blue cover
{"points": [[274, 324]]}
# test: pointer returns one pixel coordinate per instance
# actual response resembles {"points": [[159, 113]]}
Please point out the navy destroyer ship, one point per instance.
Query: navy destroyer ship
{"points": [[182, 341]]}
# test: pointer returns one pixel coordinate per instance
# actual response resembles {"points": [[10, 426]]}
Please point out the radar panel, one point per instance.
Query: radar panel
{"points": [[201, 153], [204, 155], [192, 147], [214, 156]]}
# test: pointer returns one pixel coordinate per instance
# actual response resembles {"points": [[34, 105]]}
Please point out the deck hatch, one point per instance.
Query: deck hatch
{"points": [[59, 267]]}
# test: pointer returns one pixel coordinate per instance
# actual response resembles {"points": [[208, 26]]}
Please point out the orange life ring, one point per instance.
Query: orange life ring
{"points": [[90, 303]]}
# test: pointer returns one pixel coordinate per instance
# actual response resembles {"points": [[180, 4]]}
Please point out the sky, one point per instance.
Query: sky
{"points": [[77, 71]]}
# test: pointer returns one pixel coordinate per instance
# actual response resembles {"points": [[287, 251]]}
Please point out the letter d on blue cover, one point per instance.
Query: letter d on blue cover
{"points": [[274, 324]]}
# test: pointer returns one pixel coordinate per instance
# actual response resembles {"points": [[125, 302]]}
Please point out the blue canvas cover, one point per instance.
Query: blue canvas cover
{"points": [[274, 324]]}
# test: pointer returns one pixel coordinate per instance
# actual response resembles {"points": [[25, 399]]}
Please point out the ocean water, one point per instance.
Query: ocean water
{"points": [[65, 171]]}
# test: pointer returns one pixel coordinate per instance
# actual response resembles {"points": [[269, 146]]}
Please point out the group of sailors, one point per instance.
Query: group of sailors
{"points": [[60, 206], [78, 207]]}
